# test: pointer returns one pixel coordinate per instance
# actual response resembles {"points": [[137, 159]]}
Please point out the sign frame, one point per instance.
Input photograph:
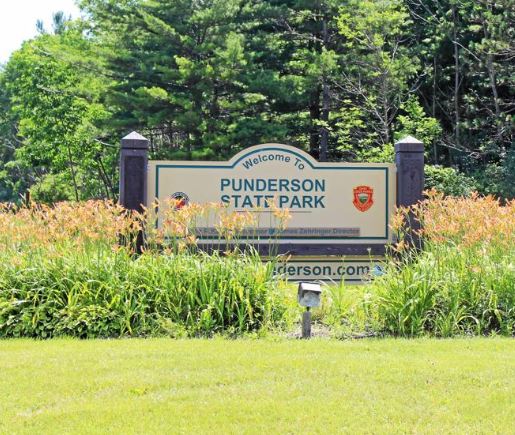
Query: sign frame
{"points": [[344, 245], [409, 182]]}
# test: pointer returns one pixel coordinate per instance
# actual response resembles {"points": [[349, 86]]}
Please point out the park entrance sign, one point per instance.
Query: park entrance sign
{"points": [[329, 202], [340, 212]]}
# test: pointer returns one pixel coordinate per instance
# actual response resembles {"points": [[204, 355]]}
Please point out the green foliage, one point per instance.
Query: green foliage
{"points": [[52, 188], [350, 311], [110, 294], [192, 77], [498, 178], [63, 273], [449, 181], [379, 62], [469, 72], [55, 108], [462, 280], [414, 122], [447, 291], [204, 80]]}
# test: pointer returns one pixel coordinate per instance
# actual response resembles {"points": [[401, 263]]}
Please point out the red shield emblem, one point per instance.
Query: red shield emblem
{"points": [[363, 197], [180, 199]]}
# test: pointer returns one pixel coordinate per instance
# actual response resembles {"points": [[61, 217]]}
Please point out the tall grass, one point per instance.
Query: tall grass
{"points": [[463, 281], [62, 272]]}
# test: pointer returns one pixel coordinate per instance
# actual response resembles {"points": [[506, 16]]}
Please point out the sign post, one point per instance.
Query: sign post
{"points": [[341, 212], [133, 176], [409, 159]]}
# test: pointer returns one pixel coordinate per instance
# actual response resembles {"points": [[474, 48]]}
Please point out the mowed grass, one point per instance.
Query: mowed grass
{"points": [[257, 386]]}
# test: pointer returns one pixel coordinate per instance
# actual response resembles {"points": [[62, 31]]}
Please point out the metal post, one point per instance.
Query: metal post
{"points": [[306, 323], [133, 176], [409, 158]]}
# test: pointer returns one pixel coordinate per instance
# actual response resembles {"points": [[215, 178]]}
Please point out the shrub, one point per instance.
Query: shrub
{"points": [[463, 282], [63, 273], [52, 188], [448, 181], [114, 295], [498, 178]]}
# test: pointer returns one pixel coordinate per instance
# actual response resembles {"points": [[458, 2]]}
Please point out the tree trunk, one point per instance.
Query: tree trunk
{"points": [[456, 77], [433, 109], [493, 81], [385, 127], [72, 170], [324, 132], [109, 184], [314, 116]]}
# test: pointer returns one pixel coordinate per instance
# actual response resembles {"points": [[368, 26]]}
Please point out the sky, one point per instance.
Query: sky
{"points": [[18, 20]]}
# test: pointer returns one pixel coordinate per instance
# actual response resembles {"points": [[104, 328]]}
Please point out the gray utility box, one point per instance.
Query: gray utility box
{"points": [[309, 294]]}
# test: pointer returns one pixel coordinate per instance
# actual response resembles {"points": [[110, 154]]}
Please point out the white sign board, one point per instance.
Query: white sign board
{"points": [[329, 202]]}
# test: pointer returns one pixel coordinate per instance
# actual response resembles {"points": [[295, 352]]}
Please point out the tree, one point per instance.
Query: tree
{"points": [[205, 78], [52, 106], [468, 86], [183, 74], [380, 68], [309, 60]]}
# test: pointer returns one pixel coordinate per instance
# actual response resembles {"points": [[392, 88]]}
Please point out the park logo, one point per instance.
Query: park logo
{"points": [[181, 200], [363, 197]]}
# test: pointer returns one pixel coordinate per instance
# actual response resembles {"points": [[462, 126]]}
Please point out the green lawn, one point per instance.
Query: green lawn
{"points": [[257, 386]]}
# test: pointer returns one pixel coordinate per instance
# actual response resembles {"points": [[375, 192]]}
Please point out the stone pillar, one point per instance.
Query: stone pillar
{"points": [[409, 159], [133, 171], [133, 175]]}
